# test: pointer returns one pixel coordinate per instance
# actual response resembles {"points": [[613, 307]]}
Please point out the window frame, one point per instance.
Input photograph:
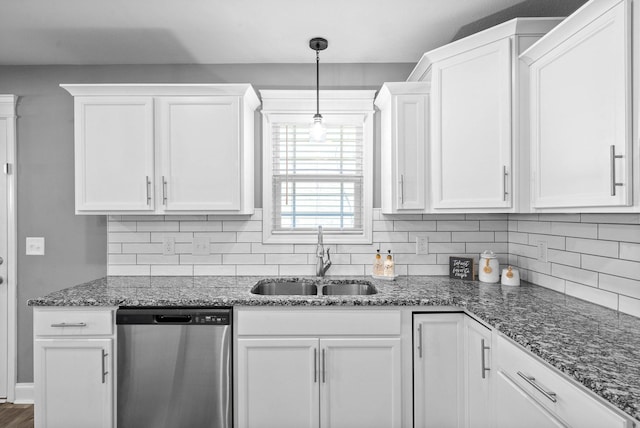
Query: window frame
{"points": [[336, 106]]}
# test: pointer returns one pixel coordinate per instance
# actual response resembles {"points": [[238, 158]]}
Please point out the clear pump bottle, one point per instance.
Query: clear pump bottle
{"points": [[378, 265], [389, 266]]}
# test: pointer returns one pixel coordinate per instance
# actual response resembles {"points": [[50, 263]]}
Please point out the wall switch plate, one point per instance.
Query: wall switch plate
{"points": [[201, 247], [543, 251], [35, 246], [168, 246], [422, 245]]}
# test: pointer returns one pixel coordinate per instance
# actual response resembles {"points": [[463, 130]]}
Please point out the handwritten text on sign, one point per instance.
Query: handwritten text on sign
{"points": [[461, 268]]}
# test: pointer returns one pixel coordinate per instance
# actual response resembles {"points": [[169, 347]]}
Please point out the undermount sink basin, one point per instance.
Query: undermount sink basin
{"points": [[349, 289], [278, 288], [296, 287]]}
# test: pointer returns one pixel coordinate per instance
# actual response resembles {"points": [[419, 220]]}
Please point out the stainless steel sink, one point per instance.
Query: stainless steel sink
{"points": [[349, 289], [279, 288], [306, 287]]}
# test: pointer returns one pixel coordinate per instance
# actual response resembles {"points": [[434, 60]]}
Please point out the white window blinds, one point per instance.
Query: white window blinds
{"points": [[317, 183]]}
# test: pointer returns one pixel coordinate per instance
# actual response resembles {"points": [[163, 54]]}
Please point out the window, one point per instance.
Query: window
{"points": [[307, 183]]}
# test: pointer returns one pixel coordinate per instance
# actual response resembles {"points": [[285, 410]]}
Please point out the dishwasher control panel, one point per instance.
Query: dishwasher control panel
{"points": [[212, 319]]}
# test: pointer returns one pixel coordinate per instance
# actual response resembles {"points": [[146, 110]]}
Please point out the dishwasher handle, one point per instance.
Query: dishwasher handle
{"points": [[172, 319]]}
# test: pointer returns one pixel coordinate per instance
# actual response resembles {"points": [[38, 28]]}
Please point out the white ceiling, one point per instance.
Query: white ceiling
{"points": [[229, 31]]}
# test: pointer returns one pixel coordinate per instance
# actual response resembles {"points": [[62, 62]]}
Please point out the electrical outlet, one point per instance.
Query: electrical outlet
{"points": [[542, 251], [201, 247], [35, 246], [168, 246], [422, 245]]}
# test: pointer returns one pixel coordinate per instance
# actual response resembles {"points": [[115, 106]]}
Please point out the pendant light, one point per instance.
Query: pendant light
{"points": [[318, 130]]}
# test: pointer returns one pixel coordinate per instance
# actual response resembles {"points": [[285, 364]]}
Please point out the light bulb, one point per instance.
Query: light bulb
{"points": [[318, 130]]}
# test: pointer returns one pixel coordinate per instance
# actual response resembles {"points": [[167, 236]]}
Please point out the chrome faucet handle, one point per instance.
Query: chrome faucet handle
{"points": [[328, 255]]}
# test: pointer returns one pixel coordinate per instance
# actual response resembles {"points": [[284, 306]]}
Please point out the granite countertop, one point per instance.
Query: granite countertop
{"points": [[596, 346]]}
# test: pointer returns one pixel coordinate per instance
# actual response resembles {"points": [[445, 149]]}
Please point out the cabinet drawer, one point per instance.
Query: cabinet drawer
{"points": [[318, 322], [69, 322], [574, 405]]}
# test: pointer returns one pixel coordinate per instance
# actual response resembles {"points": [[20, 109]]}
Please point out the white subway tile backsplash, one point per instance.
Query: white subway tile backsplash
{"points": [[629, 305], [171, 270], [578, 230], [158, 226], [591, 256], [211, 259], [129, 237], [604, 298], [201, 226], [593, 246], [620, 285], [473, 236], [243, 259], [413, 226], [619, 232], [457, 226], [121, 259], [630, 251], [158, 259], [216, 270], [569, 273]]}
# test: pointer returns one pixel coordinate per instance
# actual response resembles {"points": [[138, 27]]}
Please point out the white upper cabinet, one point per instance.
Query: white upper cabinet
{"points": [[114, 161], [404, 108], [581, 98], [478, 96], [164, 148]]}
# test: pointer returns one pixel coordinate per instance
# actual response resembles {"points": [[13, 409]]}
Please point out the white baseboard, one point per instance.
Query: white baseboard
{"points": [[24, 393]]}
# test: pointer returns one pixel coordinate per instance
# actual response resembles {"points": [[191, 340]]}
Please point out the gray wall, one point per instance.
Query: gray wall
{"points": [[76, 246]]}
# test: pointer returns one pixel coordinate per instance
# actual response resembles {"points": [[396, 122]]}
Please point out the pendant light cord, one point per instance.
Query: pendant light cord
{"points": [[317, 82]]}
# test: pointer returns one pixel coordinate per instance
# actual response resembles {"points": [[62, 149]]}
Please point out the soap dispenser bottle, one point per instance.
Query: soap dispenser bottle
{"points": [[389, 266], [378, 265]]}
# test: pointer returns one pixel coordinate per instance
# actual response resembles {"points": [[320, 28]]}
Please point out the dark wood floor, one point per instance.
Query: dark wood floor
{"points": [[16, 415]]}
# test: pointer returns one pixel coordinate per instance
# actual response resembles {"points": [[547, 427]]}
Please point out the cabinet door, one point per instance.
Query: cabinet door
{"points": [[411, 129], [278, 383], [438, 382], [580, 115], [200, 153], [516, 408], [361, 383], [73, 379], [113, 154], [471, 128], [478, 375]]}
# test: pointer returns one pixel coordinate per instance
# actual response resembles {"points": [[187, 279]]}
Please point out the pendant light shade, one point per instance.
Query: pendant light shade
{"points": [[318, 130]]}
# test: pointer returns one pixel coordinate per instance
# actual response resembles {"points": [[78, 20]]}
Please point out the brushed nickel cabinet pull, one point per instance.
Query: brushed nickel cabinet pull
{"points": [[69, 324], [164, 191], [505, 174], [482, 359], [315, 365], [324, 367], [612, 157], [148, 184], [532, 381], [401, 189], [104, 371], [420, 340]]}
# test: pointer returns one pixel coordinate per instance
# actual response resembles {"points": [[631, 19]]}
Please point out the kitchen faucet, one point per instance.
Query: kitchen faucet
{"points": [[321, 266]]}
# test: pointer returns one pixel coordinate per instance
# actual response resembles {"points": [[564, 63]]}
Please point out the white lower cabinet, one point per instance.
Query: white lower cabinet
{"points": [[478, 377], [438, 370], [73, 368], [335, 381]]}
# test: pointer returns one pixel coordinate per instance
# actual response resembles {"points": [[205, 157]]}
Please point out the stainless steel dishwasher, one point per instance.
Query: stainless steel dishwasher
{"points": [[174, 368]]}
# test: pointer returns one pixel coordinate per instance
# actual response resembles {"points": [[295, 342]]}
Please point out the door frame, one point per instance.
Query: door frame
{"points": [[8, 104]]}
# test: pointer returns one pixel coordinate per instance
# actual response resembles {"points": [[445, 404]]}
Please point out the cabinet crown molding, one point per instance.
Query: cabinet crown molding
{"points": [[8, 105], [580, 18], [514, 27], [169, 89], [390, 89]]}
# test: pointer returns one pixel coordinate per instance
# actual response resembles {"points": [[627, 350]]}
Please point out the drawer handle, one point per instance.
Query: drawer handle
{"points": [[69, 324], [324, 368], [532, 381], [420, 340], [315, 365], [612, 157]]}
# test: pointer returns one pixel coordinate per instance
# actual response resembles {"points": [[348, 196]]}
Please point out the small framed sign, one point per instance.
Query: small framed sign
{"points": [[461, 268]]}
